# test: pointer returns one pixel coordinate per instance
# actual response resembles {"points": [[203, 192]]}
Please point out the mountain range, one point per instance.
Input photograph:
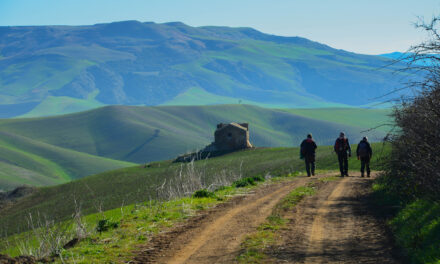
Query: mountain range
{"points": [[46, 70]]}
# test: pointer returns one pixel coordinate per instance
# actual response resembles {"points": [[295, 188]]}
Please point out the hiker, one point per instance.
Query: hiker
{"points": [[343, 149], [364, 154], [308, 148]]}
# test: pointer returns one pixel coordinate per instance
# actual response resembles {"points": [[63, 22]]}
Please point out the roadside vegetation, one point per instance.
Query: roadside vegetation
{"points": [[161, 180], [128, 206], [54, 150], [411, 178], [115, 235]]}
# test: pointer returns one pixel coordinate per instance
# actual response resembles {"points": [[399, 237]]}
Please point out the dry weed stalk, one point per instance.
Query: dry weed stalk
{"points": [[191, 177]]}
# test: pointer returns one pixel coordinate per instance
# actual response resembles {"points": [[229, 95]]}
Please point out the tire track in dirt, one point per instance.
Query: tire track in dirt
{"points": [[226, 233], [217, 237], [337, 225], [318, 230]]}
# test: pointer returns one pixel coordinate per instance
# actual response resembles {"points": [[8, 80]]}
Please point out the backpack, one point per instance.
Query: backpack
{"points": [[341, 145], [363, 150]]}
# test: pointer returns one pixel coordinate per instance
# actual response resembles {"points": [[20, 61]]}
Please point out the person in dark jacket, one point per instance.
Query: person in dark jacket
{"points": [[308, 149], [343, 149], [364, 154]]}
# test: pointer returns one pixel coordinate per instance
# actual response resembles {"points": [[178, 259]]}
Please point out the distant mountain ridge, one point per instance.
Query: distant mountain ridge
{"points": [[48, 70]]}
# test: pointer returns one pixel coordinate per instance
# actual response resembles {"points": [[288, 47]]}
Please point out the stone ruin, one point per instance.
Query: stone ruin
{"points": [[227, 138], [230, 137]]}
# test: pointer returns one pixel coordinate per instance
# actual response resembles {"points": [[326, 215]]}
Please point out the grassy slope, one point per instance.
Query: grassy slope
{"points": [[136, 223], [365, 118], [282, 69], [61, 105], [415, 225], [198, 96], [140, 134], [27, 161], [157, 133], [230, 64], [130, 185], [39, 73]]}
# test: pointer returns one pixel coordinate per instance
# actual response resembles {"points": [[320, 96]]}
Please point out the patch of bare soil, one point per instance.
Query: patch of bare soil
{"points": [[18, 260], [335, 226], [215, 236]]}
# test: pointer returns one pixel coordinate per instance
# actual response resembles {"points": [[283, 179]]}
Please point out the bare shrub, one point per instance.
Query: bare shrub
{"points": [[47, 238], [413, 168], [191, 177], [81, 231]]}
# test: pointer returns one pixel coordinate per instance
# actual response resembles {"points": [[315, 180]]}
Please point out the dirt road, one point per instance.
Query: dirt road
{"points": [[332, 226], [335, 226]]}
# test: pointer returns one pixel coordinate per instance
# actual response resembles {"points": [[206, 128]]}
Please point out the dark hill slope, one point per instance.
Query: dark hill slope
{"points": [[140, 134], [57, 69]]}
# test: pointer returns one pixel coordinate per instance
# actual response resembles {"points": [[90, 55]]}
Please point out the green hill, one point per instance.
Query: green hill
{"points": [[24, 161], [367, 118], [139, 134], [46, 70], [51, 150], [137, 184]]}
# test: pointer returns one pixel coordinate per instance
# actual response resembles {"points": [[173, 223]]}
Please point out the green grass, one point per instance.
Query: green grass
{"points": [[155, 133], [29, 162], [116, 234], [366, 118], [417, 230], [61, 105], [71, 142], [415, 226], [40, 74], [198, 96], [230, 90], [135, 184]]}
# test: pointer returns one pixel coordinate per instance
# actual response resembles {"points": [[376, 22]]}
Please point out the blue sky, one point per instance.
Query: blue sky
{"points": [[362, 26]]}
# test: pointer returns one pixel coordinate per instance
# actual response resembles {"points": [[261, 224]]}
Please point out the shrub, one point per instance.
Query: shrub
{"points": [[258, 178], [248, 181], [106, 224], [203, 193]]}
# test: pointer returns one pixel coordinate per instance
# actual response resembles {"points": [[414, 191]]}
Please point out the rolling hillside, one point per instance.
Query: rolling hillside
{"points": [[50, 150], [140, 134], [61, 69], [367, 118], [139, 184], [24, 161]]}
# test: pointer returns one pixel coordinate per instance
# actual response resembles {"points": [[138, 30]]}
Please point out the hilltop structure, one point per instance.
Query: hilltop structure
{"points": [[227, 138], [230, 137]]}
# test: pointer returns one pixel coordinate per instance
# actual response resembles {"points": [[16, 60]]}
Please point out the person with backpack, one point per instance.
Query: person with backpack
{"points": [[364, 154], [343, 149], [308, 149]]}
